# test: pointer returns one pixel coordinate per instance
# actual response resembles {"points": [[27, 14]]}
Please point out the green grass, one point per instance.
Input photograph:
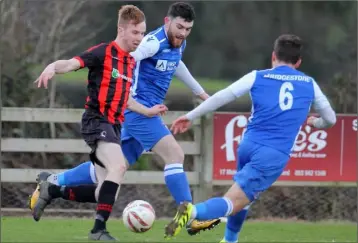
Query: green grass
{"points": [[16, 229], [80, 77], [209, 85]]}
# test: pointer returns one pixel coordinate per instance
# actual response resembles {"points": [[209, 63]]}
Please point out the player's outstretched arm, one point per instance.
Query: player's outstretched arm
{"points": [[57, 67], [323, 107], [182, 124], [184, 75], [90, 58], [219, 99], [133, 105]]}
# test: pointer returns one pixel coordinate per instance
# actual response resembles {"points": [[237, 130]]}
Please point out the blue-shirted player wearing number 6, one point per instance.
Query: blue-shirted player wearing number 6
{"points": [[281, 98]]}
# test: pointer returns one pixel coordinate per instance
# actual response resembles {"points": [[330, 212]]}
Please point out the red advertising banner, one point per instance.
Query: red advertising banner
{"points": [[318, 154]]}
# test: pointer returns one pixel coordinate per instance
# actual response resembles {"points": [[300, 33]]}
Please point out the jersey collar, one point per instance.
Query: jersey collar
{"points": [[119, 49]]}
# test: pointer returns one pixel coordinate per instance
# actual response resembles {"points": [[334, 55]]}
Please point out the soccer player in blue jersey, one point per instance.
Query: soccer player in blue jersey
{"points": [[281, 100], [158, 59]]}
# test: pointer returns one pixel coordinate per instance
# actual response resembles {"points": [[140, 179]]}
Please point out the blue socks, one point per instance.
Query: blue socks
{"points": [[234, 225], [218, 207], [213, 208], [177, 183], [83, 174]]}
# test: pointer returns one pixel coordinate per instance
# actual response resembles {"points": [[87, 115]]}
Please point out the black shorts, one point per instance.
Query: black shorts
{"points": [[94, 128]]}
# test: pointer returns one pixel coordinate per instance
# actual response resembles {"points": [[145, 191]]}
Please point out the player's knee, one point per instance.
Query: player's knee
{"points": [[177, 154], [169, 150], [118, 169], [238, 198], [171, 155], [180, 156], [116, 173], [174, 158]]}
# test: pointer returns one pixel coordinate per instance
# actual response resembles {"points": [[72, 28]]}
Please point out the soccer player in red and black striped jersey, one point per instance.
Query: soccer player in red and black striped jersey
{"points": [[109, 79]]}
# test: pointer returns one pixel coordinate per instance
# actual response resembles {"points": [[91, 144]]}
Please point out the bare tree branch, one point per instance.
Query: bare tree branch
{"points": [[73, 45], [9, 17], [49, 29]]}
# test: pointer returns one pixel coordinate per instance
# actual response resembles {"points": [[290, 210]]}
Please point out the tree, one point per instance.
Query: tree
{"points": [[61, 27], [35, 33]]}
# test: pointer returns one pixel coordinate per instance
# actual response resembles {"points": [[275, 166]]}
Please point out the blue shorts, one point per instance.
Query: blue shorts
{"points": [[140, 133], [258, 167]]}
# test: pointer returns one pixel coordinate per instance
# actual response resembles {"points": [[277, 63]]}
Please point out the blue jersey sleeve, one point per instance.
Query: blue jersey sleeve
{"points": [[148, 47]]}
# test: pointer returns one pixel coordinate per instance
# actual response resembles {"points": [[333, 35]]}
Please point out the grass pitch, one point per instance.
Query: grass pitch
{"points": [[20, 229]]}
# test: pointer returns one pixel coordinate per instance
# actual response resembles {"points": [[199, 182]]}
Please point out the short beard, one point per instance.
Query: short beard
{"points": [[172, 38]]}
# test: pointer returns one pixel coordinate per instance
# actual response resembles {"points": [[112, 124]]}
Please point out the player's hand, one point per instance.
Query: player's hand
{"points": [[180, 125], [157, 110], [204, 96], [45, 76], [311, 120]]}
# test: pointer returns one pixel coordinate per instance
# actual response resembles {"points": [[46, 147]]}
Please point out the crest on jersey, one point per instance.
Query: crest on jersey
{"points": [[115, 73], [161, 65], [150, 38]]}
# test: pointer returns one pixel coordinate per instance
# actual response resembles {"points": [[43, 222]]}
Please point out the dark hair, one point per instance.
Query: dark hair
{"points": [[287, 48], [182, 10]]}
